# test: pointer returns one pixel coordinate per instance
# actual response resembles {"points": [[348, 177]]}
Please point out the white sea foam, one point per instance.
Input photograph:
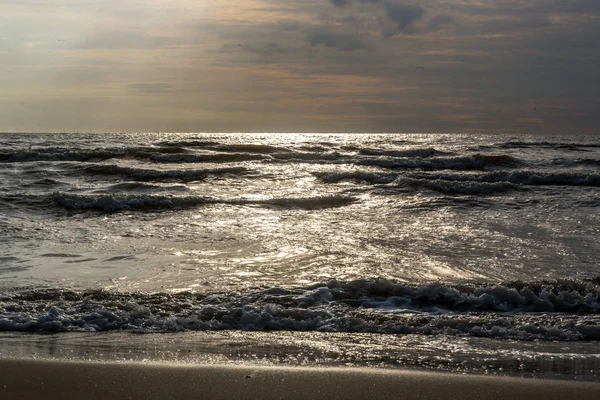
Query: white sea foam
{"points": [[542, 310]]}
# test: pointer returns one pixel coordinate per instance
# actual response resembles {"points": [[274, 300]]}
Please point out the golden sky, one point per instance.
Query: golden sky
{"points": [[300, 65]]}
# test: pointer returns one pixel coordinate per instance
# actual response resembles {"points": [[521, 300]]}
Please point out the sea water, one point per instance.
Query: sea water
{"points": [[470, 253]]}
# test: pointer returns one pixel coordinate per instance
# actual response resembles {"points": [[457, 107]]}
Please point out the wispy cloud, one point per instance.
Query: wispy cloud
{"points": [[152, 88]]}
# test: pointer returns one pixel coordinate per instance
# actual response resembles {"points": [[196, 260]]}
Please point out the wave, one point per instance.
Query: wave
{"points": [[399, 142], [152, 175], [116, 203], [83, 155], [188, 143], [418, 152], [204, 158], [316, 148], [309, 203], [251, 148], [138, 186], [456, 187], [495, 182], [594, 162], [522, 177], [46, 182], [230, 148], [547, 144], [174, 154], [355, 176], [499, 160], [60, 154], [472, 162], [161, 155], [309, 157], [483, 183], [560, 310]]}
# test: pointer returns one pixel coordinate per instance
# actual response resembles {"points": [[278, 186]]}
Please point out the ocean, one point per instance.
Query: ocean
{"points": [[460, 253]]}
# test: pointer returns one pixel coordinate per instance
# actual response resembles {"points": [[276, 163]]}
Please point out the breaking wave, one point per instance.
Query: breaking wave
{"points": [[558, 310]]}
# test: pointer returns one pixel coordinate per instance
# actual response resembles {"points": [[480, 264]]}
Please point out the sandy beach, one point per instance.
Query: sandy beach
{"points": [[32, 379]]}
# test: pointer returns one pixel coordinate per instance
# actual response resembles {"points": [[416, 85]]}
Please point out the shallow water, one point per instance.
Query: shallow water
{"points": [[450, 236]]}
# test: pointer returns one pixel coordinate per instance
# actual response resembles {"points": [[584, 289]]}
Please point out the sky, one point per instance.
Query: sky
{"points": [[506, 66]]}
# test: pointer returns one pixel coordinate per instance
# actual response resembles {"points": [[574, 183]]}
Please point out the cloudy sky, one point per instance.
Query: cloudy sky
{"points": [[300, 65]]}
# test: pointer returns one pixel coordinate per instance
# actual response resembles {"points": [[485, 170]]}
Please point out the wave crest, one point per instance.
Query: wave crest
{"points": [[522, 177], [137, 202], [471, 162], [112, 203], [456, 187]]}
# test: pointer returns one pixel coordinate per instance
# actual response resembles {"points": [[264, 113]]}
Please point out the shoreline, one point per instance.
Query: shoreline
{"points": [[30, 379], [442, 354]]}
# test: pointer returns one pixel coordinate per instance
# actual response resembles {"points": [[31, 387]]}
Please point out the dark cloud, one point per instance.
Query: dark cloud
{"points": [[398, 17], [345, 42], [402, 17]]}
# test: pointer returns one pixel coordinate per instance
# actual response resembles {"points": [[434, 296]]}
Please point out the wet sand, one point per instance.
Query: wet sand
{"points": [[33, 379]]}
